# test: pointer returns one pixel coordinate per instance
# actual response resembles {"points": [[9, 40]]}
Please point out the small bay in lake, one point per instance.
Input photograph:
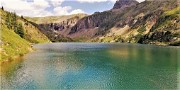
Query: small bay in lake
{"points": [[94, 66]]}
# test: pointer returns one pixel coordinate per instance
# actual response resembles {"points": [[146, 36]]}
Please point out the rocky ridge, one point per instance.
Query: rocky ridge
{"points": [[148, 22]]}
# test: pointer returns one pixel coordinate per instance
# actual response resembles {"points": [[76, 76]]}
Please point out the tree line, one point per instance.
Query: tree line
{"points": [[12, 23]]}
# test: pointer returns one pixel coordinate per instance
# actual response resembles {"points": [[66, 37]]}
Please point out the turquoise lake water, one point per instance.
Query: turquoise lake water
{"points": [[94, 66]]}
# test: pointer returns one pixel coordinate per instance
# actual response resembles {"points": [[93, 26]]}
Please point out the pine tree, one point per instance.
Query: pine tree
{"points": [[8, 20], [20, 30], [22, 17], [14, 21], [2, 8]]}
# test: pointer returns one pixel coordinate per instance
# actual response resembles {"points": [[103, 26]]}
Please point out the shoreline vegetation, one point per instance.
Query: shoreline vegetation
{"points": [[11, 59]]}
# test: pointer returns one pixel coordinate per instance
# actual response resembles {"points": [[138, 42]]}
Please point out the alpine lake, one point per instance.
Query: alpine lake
{"points": [[94, 66]]}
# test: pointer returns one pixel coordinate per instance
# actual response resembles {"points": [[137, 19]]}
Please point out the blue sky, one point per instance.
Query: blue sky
{"points": [[37, 8], [89, 7]]}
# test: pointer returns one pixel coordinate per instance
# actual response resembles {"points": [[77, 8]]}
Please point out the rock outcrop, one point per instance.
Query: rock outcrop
{"points": [[57, 28], [124, 3]]}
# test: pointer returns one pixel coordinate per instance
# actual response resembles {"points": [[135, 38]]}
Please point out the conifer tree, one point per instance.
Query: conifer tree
{"points": [[14, 21], [20, 30], [8, 20], [2, 8], [22, 17]]}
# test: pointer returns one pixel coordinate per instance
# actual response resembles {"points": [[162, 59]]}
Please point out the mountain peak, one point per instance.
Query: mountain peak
{"points": [[124, 3]]}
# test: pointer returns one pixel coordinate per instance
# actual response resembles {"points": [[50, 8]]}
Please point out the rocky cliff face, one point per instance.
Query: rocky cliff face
{"points": [[61, 26], [99, 22], [57, 28], [124, 3], [91, 22], [128, 23]]}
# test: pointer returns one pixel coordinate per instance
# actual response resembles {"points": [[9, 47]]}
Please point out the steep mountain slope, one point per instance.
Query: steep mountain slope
{"points": [[148, 22], [56, 28], [16, 35], [12, 44], [166, 30], [30, 32], [124, 3], [128, 23]]}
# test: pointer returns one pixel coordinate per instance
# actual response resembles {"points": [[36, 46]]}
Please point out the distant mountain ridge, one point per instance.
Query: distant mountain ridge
{"points": [[127, 21], [56, 28]]}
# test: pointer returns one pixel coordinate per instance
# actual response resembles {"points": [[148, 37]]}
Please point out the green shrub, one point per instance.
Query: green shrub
{"points": [[19, 30], [142, 29]]}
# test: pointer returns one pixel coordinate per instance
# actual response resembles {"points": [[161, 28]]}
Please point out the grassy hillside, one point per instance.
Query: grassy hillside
{"points": [[30, 32], [12, 44], [16, 36]]}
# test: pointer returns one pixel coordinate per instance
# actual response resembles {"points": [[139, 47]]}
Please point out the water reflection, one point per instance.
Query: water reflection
{"points": [[8, 69], [93, 66], [146, 55]]}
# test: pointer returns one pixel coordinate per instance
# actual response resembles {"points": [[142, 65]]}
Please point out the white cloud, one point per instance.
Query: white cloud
{"points": [[77, 11], [61, 10], [22, 7], [56, 3], [140, 0], [66, 11], [41, 4], [13, 5], [93, 1], [37, 8]]}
